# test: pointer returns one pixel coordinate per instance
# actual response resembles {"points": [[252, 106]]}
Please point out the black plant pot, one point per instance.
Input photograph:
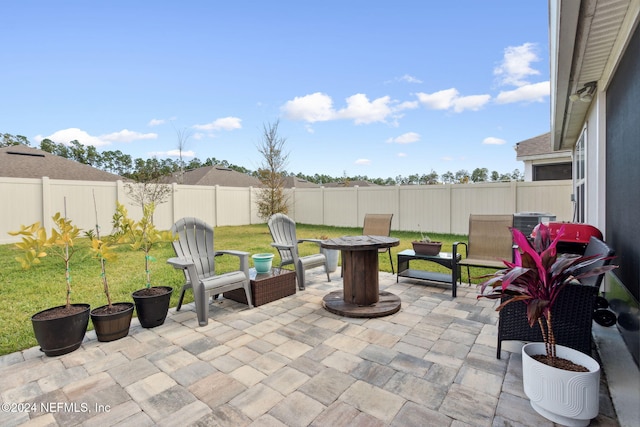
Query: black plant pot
{"points": [[152, 305], [60, 334], [112, 326]]}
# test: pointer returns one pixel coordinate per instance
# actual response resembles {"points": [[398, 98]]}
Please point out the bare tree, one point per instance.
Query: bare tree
{"points": [[271, 197], [149, 188], [183, 135]]}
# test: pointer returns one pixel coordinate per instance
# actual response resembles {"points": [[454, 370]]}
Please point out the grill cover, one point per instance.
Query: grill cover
{"points": [[574, 232]]}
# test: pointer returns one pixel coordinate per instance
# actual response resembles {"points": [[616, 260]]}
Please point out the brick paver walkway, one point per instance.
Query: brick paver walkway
{"points": [[287, 363]]}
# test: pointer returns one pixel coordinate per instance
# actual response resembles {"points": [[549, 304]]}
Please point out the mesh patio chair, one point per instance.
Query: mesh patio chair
{"points": [[490, 242], [379, 225], [283, 232], [195, 255], [572, 312]]}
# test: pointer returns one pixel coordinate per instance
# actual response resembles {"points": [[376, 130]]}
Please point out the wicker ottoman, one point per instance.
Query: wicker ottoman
{"points": [[266, 287]]}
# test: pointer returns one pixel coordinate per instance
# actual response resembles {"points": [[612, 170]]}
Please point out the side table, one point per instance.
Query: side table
{"points": [[444, 259], [266, 287]]}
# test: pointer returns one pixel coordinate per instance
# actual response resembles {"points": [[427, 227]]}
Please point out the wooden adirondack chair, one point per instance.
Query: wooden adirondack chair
{"points": [[195, 255], [283, 232]]}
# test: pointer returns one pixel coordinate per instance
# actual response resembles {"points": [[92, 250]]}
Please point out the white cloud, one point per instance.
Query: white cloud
{"points": [[471, 102], [441, 100], [156, 122], [490, 140], [533, 92], [361, 110], [317, 107], [409, 79], [225, 123], [126, 135], [450, 99], [65, 136], [402, 154], [406, 138], [516, 65], [363, 162], [174, 153]]}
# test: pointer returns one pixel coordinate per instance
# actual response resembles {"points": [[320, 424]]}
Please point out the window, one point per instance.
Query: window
{"points": [[552, 171], [579, 178]]}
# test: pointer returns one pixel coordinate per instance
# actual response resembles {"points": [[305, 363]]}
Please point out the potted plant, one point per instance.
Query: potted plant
{"points": [[152, 302], [112, 321], [58, 330], [425, 246], [561, 383]]}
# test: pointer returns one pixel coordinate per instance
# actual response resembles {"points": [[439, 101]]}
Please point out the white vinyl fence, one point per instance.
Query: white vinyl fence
{"points": [[427, 208]]}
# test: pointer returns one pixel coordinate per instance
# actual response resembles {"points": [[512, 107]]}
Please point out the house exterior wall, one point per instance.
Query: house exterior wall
{"points": [[427, 208]]}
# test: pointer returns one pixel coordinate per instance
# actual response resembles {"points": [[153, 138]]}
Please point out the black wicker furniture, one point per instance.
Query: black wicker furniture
{"points": [[572, 312]]}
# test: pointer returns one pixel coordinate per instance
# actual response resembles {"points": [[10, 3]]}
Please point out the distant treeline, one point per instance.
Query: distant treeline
{"points": [[146, 170]]}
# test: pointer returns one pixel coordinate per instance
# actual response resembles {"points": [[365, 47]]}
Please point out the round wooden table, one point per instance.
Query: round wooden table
{"points": [[361, 296]]}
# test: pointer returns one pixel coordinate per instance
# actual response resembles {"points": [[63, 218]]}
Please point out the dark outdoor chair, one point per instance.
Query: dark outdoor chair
{"points": [[572, 312], [283, 232], [490, 242], [379, 225], [196, 257]]}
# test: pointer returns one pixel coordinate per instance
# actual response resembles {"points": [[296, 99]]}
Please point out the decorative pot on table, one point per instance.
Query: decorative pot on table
{"points": [[262, 262], [427, 248]]}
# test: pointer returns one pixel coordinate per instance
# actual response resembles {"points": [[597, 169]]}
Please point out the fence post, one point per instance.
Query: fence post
{"points": [[47, 222]]}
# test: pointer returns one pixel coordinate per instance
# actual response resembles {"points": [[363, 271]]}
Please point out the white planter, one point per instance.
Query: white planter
{"points": [[564, 397], [332, 259]]}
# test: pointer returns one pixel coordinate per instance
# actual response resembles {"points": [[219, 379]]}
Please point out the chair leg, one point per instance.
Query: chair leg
{"points": [[201, 298], [181, 298], [300, 274], [391, 261], [247, 292], [499, 348]]}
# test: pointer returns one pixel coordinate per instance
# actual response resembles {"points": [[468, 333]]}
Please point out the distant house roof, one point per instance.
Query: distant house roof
{"points": [[538, 147], [359, 183], [21, 161], [218, 175], [294, 181]]}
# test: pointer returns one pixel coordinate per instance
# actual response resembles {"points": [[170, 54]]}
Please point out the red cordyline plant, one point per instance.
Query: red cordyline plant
{"points": [[537, 277]]}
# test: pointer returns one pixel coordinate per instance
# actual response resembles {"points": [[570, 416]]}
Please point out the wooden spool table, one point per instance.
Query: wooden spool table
{"points": [[361, 296]]}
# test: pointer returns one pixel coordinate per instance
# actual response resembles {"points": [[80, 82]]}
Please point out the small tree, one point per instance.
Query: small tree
{"points": [[36, 244], [271, 197], [140, 235]]}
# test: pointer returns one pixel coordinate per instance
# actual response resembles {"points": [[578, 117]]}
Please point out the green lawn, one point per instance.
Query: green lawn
{"points": [[25, 292]]}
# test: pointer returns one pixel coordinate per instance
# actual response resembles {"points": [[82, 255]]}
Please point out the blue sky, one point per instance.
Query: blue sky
{"points": [[376, 88]]}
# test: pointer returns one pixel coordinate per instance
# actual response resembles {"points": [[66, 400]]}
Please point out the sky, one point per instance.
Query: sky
{"points": [[370, 88]]}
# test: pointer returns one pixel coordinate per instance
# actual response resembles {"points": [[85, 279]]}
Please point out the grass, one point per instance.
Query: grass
{"points": [[26, 292]]}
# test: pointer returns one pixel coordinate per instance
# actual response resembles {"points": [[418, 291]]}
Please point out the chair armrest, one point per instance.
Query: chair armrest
{"points": [[243, 257], [231, 252], [282, 246], [455, 249], [180, 263], [316, 241]]}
